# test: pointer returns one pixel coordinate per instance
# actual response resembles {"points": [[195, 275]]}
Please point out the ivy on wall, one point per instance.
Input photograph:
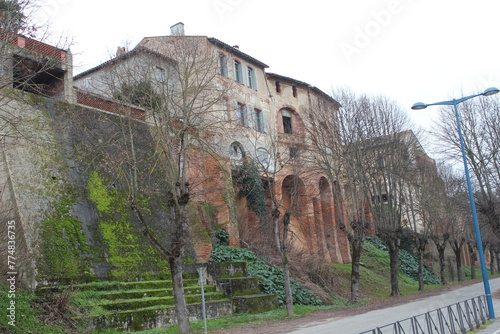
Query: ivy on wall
{"points": [[251, 187]]}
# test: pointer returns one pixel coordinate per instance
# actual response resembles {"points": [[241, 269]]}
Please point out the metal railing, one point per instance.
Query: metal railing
{"points": [[461, 317]]}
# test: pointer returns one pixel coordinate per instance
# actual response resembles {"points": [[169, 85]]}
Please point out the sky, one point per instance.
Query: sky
{"points": [[408, 50]]}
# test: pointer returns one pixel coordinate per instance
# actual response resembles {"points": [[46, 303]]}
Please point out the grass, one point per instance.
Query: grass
{"points": [[238, 320], [374, 285], [27, 314]]}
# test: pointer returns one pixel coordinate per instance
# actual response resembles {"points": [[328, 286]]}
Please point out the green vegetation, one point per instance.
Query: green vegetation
{"points": [[237, 320], [251, 187], [64, 250], [121, 242], [30, 316], [375, 285], [408, 263], [272, 277]]}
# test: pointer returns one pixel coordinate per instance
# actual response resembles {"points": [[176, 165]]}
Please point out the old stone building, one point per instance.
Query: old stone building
{"points": [[264, 118]]}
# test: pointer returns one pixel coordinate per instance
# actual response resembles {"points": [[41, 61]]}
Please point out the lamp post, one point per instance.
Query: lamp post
{"points": [[454, 103]]}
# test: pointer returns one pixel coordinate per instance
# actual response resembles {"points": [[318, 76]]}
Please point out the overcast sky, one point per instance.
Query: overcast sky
{"points": [[409, 50]]}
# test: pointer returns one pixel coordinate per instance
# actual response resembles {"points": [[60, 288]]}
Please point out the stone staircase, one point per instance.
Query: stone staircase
{"points": [[245, 292], [139, 305]]}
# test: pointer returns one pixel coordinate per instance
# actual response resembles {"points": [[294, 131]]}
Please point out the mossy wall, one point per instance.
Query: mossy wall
{"points": [[69, 187]]}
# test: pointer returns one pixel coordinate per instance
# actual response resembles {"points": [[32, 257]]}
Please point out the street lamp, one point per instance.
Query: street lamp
{"points": [[454, 103]]}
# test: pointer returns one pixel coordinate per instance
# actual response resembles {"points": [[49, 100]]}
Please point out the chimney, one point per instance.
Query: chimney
{"points": [[120, 51], [177, 29]]}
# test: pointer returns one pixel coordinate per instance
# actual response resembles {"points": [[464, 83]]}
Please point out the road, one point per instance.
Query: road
{"points": [[372, 319]]}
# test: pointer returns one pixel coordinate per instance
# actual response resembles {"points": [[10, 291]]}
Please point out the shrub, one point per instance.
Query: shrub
{"points": [[408, 262], [272, 277]]}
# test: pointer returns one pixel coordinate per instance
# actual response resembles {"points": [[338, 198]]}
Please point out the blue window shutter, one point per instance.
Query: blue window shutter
{"points": [[247, 115], [263, 121], [237, 112]]}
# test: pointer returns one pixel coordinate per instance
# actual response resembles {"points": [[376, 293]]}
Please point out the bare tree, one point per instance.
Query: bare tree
{"points": [[480, 123], [334, 131], [272, 159], [28, 64], [178, 92], [389, 162]]}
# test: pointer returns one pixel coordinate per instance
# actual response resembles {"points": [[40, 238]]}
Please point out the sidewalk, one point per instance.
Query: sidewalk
{"points": [[493, 327]]}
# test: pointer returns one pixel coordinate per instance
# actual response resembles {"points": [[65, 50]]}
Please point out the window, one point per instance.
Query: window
{"points": [[87, 83], [381, 199], [278, 87], [236, 153], [252, 82], [241, 114], [294, 91], [222, 64], [294, 152], [264, 158], [258, 120], [286, 116], [238, 72]]}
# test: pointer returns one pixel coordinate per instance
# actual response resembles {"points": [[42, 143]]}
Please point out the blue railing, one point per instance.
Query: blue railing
{"points": [[461, 317]]}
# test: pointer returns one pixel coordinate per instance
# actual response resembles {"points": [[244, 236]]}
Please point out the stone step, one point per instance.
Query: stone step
{"points": [[257, 303], [142, 293], [240, 286], [138, 303], [154, 317], [111, 286]]}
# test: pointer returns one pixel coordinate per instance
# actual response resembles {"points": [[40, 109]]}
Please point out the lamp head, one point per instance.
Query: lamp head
{"points": [[491, 91], [419, 106]]}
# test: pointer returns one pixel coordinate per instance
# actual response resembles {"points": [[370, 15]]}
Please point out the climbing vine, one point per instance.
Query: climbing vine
{"points": [[251, 187]]}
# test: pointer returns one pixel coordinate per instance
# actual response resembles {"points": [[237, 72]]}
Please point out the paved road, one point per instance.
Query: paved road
{"points": [[362, 322]]}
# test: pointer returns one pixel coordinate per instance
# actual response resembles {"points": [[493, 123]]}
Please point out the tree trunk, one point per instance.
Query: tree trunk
{"points": [[421, 244], [458, 259], [394, 263], [357, 247], [492, 261], [442, 264], [472, 255], [498, 263], [420, 269], [286, 266], [179, 216], [178, 289]]}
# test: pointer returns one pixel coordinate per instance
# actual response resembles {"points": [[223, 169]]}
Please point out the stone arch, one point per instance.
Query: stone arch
{"points": [[236, 153], [288, 121], [328, 216], [296, 200]]}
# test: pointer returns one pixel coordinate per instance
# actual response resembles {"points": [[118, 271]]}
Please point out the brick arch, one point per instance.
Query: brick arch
{"points": [[297, 124], [327, 217], [296, 199]]}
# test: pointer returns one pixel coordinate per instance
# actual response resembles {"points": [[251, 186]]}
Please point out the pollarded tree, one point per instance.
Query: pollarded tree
{"points": [[389, 162], [480, 123], [333, 131]]}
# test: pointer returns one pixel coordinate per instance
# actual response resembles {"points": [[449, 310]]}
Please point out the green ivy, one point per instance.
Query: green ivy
{"points": [[220, 237], [272, 277], [408, 262], [252, 188]]}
